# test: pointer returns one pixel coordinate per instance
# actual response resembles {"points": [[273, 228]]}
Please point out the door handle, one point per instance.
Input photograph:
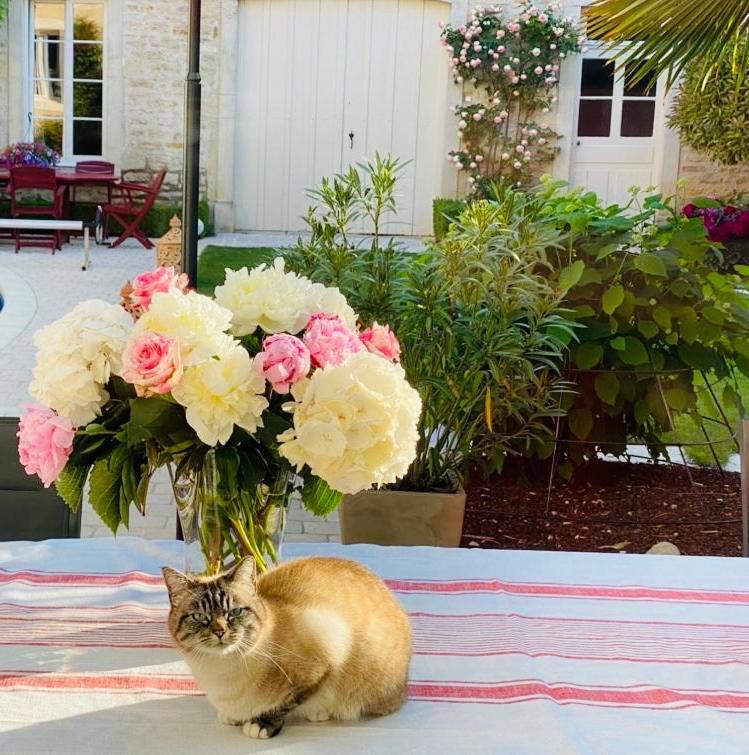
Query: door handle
{"points": [[579, 142], [351, 137]]}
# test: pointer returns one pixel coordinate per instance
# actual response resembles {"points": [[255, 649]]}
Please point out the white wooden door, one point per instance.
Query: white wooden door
{"points": [[617, 124], [322, 84]]}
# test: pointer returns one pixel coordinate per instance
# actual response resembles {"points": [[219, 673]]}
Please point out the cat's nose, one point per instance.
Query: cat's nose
{"points": [[219, 633]]}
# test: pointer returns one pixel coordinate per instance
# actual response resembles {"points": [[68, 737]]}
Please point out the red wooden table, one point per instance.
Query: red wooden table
{"points": [[72, 178]]}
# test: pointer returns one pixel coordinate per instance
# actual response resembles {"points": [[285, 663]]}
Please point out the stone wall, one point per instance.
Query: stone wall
{"points": [[153, 66], [707, 177]]}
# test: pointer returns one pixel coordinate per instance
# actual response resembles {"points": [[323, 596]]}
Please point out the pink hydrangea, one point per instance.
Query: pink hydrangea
{"points": [[161, 280], [152, 363], [45, 442], [284, 360], [379, 339], [330, 340]]}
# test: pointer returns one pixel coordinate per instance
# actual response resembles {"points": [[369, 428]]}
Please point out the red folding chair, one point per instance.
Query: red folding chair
{"points": [[130, 205], [29, 179]]}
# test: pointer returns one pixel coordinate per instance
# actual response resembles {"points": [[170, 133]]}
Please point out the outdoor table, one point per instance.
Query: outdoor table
{"points": [[516, 652], [71, 177]]}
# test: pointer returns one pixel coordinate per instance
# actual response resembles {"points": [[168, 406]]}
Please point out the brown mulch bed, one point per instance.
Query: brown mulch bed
{"points": [[608, 507]]}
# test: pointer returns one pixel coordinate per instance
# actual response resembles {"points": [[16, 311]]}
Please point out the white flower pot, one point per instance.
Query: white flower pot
{"points": [[394, 517]]}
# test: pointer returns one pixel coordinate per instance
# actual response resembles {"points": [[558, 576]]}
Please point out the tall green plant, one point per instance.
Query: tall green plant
{"points": [[480, 325]]}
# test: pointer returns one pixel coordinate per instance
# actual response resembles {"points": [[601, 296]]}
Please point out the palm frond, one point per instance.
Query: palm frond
{"points": [[664, 36]]}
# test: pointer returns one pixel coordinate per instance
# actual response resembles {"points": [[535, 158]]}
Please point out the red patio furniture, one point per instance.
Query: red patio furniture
{"points": [[130, 204], [94, 167], [31, 179]]}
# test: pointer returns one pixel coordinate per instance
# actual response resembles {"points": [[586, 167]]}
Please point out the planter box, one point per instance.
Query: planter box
{"points": [[393, 517]]}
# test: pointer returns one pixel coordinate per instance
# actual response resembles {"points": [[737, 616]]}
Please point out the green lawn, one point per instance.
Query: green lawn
{"points": [[215, 259], [688, 431]]}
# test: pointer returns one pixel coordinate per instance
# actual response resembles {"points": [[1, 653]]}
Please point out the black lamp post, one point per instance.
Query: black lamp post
{"points": [[191, 164]]}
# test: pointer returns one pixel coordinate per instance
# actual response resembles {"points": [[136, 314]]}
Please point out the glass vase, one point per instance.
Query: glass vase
{"points": [[222, 524]]}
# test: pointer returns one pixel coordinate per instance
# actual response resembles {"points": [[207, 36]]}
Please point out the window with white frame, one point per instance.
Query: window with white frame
{"points": [[68, 76]]}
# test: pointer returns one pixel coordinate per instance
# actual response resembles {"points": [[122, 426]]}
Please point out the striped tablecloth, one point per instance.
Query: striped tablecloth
{"points": [[515, 652]]}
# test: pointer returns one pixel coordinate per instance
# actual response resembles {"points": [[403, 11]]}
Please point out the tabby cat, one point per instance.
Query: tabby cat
{"points": [[319, 638]]}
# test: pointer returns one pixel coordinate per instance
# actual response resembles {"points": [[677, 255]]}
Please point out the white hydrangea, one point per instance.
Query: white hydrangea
{"points": [[220, 393], [76, 356], [197, 323], [269, 298], [355, 425]]}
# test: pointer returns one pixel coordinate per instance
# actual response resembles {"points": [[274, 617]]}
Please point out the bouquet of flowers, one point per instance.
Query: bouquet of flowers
{"points": [[270, 382], [29, 154]]}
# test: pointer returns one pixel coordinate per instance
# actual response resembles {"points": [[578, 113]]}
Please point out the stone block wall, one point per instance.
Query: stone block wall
{"points": [[707, 177], [153, 67]]}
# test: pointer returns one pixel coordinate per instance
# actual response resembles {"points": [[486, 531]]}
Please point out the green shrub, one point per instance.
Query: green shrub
{"points": [[648, 298], [444, 213], [713, 116]]}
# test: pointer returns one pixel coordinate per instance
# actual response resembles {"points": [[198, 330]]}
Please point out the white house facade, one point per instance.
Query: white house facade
{"points": [[294, 90]]}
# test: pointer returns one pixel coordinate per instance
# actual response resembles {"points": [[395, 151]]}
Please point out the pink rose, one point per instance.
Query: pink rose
{"points": [[284, 360], [379, 339], [160, 280], [329, 340], [152, 363], [45, 441]]}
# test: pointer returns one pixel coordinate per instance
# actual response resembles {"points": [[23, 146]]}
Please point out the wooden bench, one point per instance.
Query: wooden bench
{"points": [[18, 224]]}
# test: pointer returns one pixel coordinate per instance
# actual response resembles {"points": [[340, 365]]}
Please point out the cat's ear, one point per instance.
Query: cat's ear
{"points": [[177, 583], [243, 572]]}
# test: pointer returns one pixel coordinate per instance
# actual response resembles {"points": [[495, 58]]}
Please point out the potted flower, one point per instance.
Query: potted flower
{"points": [[477, 327], [30, 155], [265, 389]]}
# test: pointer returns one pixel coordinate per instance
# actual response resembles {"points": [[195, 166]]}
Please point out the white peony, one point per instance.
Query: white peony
{"points": [[331, 301], [195, 321], [76, 356], [265, 297], [220, 393], [269, 298], [355, 425]]}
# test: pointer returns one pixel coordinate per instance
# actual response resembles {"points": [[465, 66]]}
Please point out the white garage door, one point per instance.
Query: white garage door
{"points": [[322, 84]]}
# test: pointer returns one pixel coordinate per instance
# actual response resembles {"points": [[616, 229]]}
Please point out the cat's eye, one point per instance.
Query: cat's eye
{"points": [[200, 618], [235, 613]]}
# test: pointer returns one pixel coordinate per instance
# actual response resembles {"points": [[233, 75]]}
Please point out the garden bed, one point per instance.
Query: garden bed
{"points": [[609, 507]]}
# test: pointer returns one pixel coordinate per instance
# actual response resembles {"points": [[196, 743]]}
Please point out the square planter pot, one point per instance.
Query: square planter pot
{"points": [[393, 517]]}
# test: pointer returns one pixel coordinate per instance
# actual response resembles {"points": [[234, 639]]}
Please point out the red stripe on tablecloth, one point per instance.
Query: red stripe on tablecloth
{"points": [[515, 691], [491, 586]]}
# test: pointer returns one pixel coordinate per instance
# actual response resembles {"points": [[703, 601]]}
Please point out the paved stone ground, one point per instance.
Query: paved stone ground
{"points": [[41, 287]]}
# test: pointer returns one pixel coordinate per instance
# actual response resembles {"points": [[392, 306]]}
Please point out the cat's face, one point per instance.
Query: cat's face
{"points": [[214, 615]]}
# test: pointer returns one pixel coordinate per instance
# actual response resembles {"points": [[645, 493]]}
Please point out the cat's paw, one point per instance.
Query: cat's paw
{"points": [[261, 728], [227, 720], [317, 716]]}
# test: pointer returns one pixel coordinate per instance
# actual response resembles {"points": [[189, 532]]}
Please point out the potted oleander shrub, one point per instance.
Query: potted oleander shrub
{"points": [[481, 335]]}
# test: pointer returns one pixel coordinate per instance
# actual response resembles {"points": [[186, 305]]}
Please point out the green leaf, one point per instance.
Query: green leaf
{"points": [[634, 352], [580, 421], [105, 483], [569, 276], [70, 484], [649, 263], [612, 298], [648, 328], [662, 316], [676, 398], [642, 412], [619, 343], [588, 355], [742, 269], [607, 387], [697, 356], [318, 497]]}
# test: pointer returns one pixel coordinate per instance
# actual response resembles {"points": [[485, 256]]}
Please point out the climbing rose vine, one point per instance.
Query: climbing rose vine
{"points": [[513, 65]]}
